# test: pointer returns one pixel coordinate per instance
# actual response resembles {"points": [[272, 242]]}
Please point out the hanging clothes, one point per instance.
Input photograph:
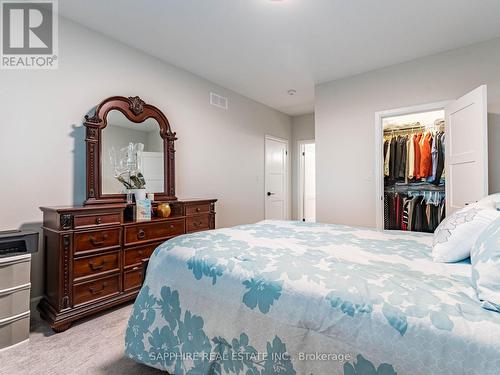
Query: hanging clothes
{"points": [[411, 207], [392, 161], [399, 158], [402, 165], [411, 157], [414, 158], [426, 156], [404, 219], [440, 158], [416, 142], [387, 213], [387, 152], [408, 161], [415, 211], [434, 156], [412, 213], [414, 180], [391, 207]]}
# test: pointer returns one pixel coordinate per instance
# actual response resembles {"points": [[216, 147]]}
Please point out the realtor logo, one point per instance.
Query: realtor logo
{"points": [[29, 34]]}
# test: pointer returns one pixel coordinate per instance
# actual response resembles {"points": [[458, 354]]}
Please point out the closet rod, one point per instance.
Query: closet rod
{"points": [[415, 127], [405, 130]]}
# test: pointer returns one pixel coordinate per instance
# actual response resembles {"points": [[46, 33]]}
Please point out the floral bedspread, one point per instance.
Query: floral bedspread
{"points": [[288, 298]]}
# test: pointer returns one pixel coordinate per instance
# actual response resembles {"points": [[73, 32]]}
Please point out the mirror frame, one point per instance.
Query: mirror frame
{"points": [[137, 111]]}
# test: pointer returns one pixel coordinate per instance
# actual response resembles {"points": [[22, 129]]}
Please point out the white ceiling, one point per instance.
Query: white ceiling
{"points": [[262, 48]]}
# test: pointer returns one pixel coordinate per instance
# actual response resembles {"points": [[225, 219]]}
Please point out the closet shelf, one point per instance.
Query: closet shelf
{"points": [[403, 188]]}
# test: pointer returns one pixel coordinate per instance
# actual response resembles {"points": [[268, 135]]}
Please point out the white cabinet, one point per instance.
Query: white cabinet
{"points": [[14, 299]]}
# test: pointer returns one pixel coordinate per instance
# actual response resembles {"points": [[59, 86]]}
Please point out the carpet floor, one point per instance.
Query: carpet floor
{"points": [[92, 346]]}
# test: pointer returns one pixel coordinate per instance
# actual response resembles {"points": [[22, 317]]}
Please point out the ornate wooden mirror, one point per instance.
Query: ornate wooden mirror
{"points": [[119, 125]]}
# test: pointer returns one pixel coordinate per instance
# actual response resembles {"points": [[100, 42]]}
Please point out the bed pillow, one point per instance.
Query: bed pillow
{"points": [[485, 260], [455, 236], [493, 199]]}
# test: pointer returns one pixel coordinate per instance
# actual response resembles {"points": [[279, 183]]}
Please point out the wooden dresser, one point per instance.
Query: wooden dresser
{"points": [[95, 259], [96, 254]]}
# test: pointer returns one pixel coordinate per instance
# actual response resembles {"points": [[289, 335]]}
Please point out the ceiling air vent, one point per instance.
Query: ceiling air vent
{"points": [[218, 101]]}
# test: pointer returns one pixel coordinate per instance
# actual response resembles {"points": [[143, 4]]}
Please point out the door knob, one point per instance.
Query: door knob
{"points": [[269, 193]]}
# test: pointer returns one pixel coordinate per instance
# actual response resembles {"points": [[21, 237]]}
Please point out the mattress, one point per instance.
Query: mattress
{"points": [[284, 297]]}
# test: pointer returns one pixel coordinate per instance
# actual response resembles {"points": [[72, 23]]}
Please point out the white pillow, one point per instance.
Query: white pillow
{"points": [[455, 236], [485, 260], [494, 199]]}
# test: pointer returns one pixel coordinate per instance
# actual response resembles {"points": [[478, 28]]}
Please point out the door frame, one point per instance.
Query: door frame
{"points": [[300, 177], [287, 176], [379, 149]]}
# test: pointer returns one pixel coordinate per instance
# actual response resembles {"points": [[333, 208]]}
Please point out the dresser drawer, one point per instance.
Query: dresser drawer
{"points": [[14, 273], [93, 290], [15, 330], [194, 209], [135, 255], [95, 265], [97, 239], [197, 223], [14, 302], [85, 221], [153, 231], [132, 279]]}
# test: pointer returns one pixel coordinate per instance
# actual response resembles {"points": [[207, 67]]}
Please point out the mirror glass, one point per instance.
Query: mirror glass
{"points": [[132, 155]]}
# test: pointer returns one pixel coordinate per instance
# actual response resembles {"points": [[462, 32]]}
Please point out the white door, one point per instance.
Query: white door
{"points": [[307, 182], [276, 179], [466, 149]]}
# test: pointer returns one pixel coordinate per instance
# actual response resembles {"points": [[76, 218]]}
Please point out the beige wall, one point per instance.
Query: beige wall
{"points": [[302, 129], [220, 154], [345, 130]]}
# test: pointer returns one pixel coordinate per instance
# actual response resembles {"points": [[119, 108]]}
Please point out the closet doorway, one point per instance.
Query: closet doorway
{"points": [[431, 160], [307, 181], [414, 178]]}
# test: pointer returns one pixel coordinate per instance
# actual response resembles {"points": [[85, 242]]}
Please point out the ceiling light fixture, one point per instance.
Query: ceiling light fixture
{"points": [[291, 92]]}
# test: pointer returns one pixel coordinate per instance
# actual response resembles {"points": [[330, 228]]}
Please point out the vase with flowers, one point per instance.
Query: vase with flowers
{"points": [[127, 164]]}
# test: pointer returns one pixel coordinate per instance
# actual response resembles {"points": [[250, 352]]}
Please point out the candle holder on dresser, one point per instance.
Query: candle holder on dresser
{"points": [[97, 253]]}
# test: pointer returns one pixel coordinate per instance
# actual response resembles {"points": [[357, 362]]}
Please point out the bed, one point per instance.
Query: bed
{"points": [[290, 297]]}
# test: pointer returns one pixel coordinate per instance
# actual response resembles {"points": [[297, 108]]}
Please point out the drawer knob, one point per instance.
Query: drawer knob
{"points": [[97, 267], [141, 234], [98, 291], [198, 209], [172, 226], [95, 242], [98, 220]]}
